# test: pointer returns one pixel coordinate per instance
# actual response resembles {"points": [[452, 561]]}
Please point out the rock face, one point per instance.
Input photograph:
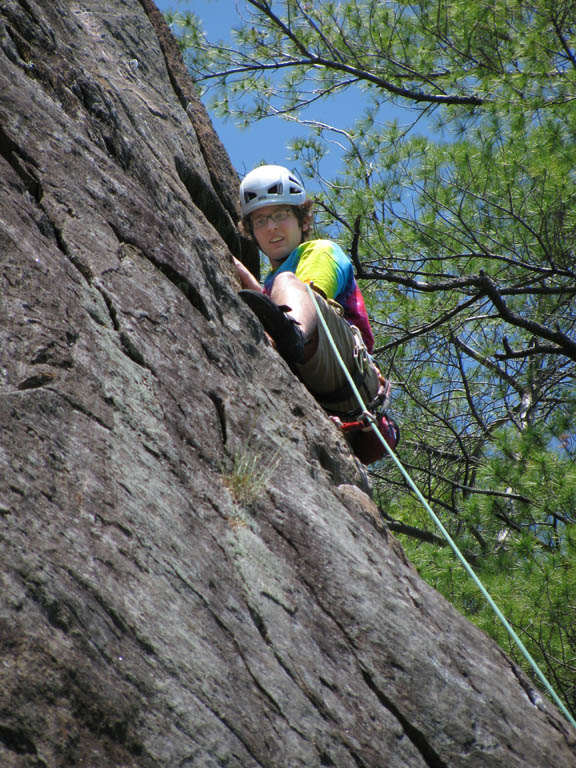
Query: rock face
{"points": [[191, 574]]}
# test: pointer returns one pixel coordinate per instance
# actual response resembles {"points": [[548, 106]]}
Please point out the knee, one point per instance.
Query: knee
{"points": [[287, 279], [286, 283]]}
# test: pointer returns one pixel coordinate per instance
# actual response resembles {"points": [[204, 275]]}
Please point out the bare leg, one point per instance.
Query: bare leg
{"points": [[288, 289]]}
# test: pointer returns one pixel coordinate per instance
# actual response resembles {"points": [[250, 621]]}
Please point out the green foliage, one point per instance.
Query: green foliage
{"points": [[460, 217]]}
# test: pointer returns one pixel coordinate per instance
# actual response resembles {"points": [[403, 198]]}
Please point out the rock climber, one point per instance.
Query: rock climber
{"points": [[277, 215]]}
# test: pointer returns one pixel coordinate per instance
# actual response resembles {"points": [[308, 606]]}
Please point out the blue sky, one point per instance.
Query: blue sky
{"points": [[265, 141], [268, 140]]}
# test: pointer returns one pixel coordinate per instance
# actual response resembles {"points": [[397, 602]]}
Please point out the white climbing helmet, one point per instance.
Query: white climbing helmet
{"points": [[270, 185]]}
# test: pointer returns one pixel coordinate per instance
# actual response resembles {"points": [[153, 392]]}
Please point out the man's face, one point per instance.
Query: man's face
{"points": [[277, 231]]}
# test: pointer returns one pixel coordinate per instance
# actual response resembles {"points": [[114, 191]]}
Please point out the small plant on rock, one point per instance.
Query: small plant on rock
{"points": [[250, 474]]}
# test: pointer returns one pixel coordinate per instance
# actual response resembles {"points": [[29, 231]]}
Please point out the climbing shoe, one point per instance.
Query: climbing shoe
{"points": [[283, 329]]}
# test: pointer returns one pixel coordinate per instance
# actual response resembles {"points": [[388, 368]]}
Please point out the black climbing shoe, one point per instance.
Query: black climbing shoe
{"points": [[287, 336]]}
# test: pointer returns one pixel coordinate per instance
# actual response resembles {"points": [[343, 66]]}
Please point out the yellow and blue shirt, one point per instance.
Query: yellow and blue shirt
{"points": [[325, 264]]}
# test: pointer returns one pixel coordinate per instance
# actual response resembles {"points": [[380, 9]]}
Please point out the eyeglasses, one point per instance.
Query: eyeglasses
{"points": [[259, 222]]}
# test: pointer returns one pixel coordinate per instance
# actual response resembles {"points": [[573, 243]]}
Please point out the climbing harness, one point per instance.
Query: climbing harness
{"points": [[444, 532], [357, 427], [362, 439]]}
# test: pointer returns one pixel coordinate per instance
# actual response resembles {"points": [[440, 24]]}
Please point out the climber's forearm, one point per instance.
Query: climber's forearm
{"points": [[247, 279]]}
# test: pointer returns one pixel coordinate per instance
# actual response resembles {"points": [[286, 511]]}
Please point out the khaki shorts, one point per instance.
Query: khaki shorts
{"points": [[323, 373]]}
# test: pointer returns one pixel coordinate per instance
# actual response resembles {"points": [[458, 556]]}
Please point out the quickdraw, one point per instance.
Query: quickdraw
{"points": [[360, 435]]}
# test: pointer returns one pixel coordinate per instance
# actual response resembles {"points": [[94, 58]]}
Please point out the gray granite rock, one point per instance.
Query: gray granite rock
{"points": [[190, 574]]}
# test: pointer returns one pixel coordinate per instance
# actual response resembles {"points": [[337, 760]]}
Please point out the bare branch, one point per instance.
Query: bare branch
{"points": [[425, 329], [533, 350], [564, 342], [486, 363], [563, 42], [415, 533]]}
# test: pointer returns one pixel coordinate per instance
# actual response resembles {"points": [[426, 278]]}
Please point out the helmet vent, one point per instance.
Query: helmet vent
{"points": [[270, 185]]}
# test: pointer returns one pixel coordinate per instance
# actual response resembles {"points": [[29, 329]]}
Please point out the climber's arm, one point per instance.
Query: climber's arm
{"points": [[247, 279]]}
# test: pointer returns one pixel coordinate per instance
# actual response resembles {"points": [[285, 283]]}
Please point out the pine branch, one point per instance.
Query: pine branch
{"points": [[314, 60]]}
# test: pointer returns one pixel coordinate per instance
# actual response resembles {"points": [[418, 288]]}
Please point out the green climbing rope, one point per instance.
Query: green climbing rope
{"points": [[443, 530]]}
